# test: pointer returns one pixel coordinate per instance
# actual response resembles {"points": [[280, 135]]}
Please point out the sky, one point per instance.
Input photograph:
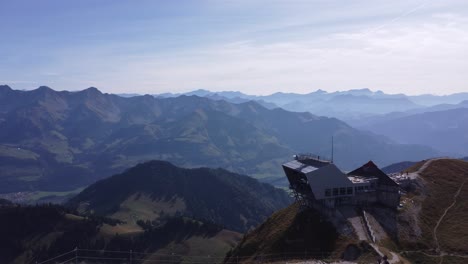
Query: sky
{"points": [[253, 46]]}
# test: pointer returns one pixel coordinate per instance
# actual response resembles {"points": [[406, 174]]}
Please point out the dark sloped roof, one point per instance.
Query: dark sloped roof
{"points": [[371, 170]]}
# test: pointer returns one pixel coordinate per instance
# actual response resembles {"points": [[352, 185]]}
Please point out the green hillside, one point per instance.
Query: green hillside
{"points": [[155, 189]]}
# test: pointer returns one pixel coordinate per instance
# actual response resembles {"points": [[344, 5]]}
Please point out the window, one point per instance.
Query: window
{"points": [[327, 192], [349, 190], [335, 191], [342, 191]]}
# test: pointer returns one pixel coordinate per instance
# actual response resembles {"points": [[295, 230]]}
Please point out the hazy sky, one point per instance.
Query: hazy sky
{"points": [[257, 47]]}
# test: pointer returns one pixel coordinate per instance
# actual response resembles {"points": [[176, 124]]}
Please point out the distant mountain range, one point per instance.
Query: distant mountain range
{"points": [[378, 112], [445, 130], [350, 106], [369, 121], [398, 167], [63, 140]]}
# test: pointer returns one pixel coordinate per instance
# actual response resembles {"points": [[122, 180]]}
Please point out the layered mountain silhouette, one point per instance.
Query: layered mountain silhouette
{"points": [[445, 130], [346, 105], [389, 117], [53, 140], [398, 167], [354, 106]]}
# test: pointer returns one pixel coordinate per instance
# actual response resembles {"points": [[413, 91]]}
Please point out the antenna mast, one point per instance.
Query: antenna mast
{"points": [[332, 151]]}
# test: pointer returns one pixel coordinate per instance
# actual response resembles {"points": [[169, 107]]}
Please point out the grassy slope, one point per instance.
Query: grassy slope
{"points": [[292, 234], [442, 179], [197, 248]]}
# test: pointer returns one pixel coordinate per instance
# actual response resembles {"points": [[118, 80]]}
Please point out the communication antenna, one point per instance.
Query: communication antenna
{"points": [[332, 151]]}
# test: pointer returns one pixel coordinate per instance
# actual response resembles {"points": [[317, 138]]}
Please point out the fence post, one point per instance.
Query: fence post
{"points": [[76, 255]]}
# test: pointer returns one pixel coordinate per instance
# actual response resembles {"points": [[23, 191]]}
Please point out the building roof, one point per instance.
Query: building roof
{"points": [[299, 166], [327, 177], [315, 162], [370, 170], [360, 179]]}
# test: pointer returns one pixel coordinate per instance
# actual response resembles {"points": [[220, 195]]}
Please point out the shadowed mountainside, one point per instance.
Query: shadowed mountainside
{"points": [[398, 167]]}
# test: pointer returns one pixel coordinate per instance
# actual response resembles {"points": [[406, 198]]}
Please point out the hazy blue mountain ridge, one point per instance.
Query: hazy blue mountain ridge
{"points": [[63, 140], [445, 130], [353, 106]]}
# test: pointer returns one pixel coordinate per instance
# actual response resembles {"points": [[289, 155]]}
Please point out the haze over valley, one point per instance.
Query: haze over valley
{"points": [[233, 132]]}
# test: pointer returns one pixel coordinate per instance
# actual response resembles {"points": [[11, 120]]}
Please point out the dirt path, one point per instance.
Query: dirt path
{"points": [[436, 240], [425, 165], [416, 174], [358, 226], [394, 258]]}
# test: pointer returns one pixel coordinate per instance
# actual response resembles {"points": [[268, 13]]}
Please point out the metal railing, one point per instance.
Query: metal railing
{"points": [[91, 256]]}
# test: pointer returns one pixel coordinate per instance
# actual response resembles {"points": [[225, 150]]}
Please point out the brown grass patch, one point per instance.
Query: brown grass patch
{"points": [[441, 179]]}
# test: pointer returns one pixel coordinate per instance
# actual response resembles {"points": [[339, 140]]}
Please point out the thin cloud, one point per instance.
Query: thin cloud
{"points": [[419, 58], [397, 46]]}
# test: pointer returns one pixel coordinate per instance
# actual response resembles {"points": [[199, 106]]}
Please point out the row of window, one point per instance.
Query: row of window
{"points": [[339, 191], [347, 190], [360, 188]]}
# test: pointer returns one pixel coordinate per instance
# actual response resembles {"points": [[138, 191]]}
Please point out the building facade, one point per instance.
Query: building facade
{"points": [[320, 182]]}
